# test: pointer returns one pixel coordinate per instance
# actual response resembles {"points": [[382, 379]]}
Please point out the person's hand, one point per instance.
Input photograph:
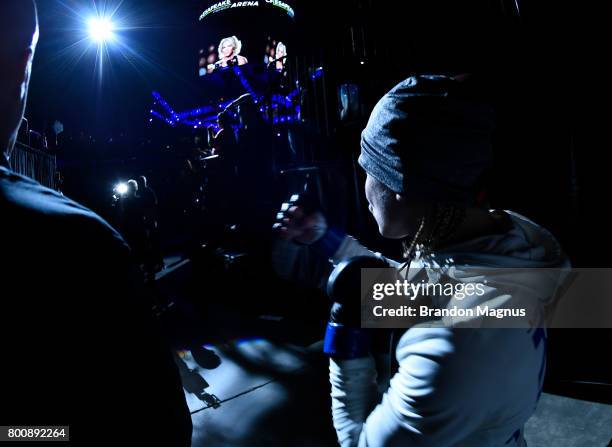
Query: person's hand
{"points": [[301, 227]]}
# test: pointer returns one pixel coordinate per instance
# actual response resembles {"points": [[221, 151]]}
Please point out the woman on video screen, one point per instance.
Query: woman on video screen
{"points": [[229, 53]]}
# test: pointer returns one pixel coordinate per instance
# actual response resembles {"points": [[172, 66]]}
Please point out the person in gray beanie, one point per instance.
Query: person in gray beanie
{"points": [[427, 145], [426, 150], [427, 138]]}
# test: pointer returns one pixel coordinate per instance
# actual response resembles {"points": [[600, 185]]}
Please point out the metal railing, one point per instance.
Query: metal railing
{"points": [[34, 163]]}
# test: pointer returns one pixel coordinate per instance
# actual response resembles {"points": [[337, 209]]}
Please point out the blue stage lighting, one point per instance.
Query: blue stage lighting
{"points": [[101, 29]]}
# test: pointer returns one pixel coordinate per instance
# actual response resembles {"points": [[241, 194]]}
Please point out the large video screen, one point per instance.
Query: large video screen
{"points": [[231, 50], [239, 33]]}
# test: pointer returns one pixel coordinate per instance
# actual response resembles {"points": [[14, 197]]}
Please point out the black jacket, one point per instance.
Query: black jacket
{"points": [[78, 344]]}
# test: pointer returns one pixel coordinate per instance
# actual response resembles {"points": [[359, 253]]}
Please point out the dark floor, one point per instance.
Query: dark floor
{"points": [[274, 395], [269, 395], [252, 376], [564, 422], [261, 380]]}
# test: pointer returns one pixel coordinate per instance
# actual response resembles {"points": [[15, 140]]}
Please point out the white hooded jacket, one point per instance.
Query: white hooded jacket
{"points": [[455, 387]]}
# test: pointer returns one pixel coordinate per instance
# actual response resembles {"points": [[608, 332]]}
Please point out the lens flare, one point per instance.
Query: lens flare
{"points": [[101, 29]]}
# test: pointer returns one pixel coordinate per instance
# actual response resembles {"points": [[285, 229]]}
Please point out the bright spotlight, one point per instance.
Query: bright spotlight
{"points": [[100, 29], [121, 188]]}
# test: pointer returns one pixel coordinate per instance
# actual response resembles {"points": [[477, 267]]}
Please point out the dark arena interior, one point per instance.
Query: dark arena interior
{"points": [[188, 188]]}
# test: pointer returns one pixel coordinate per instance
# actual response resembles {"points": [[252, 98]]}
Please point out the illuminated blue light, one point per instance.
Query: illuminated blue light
{"points": [[317, 73], [101, 29], [201, 116]]}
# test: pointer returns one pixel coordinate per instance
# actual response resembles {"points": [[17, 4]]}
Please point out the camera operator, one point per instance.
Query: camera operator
{"points": [[425, 150]]}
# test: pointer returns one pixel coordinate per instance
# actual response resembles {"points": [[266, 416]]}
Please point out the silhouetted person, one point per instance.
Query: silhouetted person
{"points": [[223, 173], [150, 213], [78, 343], [149, 202], [223, 142], [131, 221]]}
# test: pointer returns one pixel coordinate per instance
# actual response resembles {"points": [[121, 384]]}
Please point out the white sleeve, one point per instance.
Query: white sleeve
{"points": [[354, 395], [425, 404], [430, 402], [353, 382]]}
